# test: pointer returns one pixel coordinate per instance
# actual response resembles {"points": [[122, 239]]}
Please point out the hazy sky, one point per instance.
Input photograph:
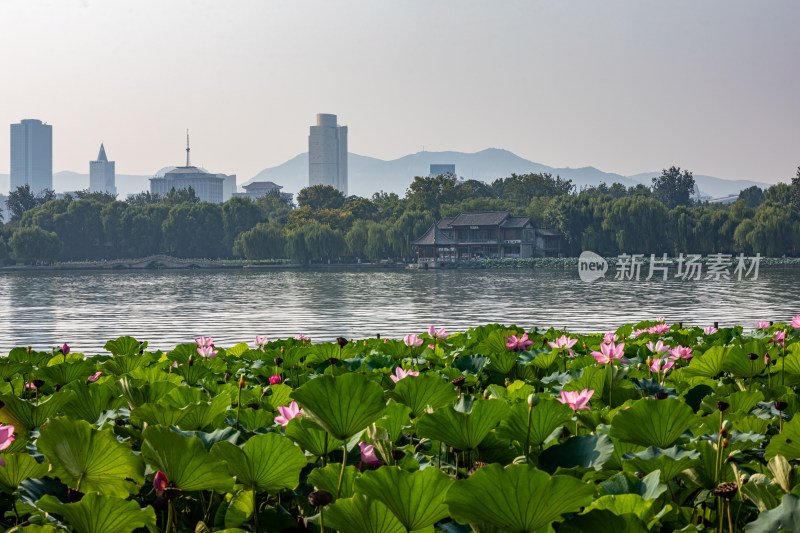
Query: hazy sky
{"points": [[626, 86]]}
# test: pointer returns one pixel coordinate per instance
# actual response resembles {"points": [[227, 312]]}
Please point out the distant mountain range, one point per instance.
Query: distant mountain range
{"points": [[367, 175]]}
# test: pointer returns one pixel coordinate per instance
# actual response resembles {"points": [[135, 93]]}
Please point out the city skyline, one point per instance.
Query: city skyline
{"points": [[625, 86]]}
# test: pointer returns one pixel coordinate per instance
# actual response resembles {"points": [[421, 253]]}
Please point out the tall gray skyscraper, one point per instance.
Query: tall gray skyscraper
{"points": [[102, 174], [32, 155], [327, 153]]}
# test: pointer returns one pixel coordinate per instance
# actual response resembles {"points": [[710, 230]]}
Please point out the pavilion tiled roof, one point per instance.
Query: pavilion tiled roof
{"points": [[434, 237], [488, 218], [515, 222]]}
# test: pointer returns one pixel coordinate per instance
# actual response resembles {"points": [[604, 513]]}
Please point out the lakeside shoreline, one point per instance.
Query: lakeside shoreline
{"points": [[165, 262]]}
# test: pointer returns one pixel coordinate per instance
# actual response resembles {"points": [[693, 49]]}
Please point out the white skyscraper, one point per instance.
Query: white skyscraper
{"points": [[327, 153], [32, 155], [102, 174]]}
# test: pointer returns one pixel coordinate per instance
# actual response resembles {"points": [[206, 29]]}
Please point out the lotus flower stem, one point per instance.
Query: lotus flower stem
{"points": [[238, 407], [730, 519], [325, 452], [528, 434], [344, 463], [170, 513], [255, 511]]}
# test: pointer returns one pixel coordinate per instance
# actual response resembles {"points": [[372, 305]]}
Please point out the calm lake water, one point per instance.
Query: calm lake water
{"points": [[86, 308]]}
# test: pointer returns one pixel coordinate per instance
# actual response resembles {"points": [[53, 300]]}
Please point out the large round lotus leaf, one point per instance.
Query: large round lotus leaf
{"points": [[461, 430], [417, 499], [652, 422], [19, 467], [101, 514], [544, 419], [787, 443], [342, 405], [184, 460], [421, 391], [516, 499], [361, 515], [268, 462], [785, 517], [90, 460], [310, 437]]}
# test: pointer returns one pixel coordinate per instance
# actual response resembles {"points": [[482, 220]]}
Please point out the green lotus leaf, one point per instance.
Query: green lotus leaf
{"points": [[707, 365], [395, 418], [184, 460], [280, 397], [90, 460], [471, 363], [137, 392], [669, 462], [546, 417], [502, 361], [737, 363], [63, 373], [649, 487], [235, 510], [237, 349], [361, 515], [652, 422], [119, 366], [192, 373], [535, 501], [89, 402], [419, 392], [27, 415], [762, 491], [254, 419], [209, 439], [159, 415], [785, 517], [125, 346], [592, 378], [417, 499], [19, 467], [204, 414], [704, 469], [603, 521], [327, 478], [342, 406], [101, 514], [268, 462], [787, 443], [462, 430], [590, 451], [622, 504], [9, 370]]}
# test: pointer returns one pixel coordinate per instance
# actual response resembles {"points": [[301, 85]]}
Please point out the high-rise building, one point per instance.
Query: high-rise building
{"points": [[102, 174], [442, 169], [32, 155], [327, 153]]}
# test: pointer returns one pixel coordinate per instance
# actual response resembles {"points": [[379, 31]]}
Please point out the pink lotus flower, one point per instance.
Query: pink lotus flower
{"points": [[410, 340], [658, 347], [300, 337], [710, 330], [160, 483], [659, 329], [287, 413], [437, 333], [661, 319], [6, 438], [609, 353], [31, 386], [762, 325], [368, 456], [635, 333], [261, 341], [610, 337], [174, 364], [796, 321], [94, 376], [779, 338], [681, 352], [518, 343], [431, 346], [207, 351], [274, 380], [563, 342], [661, 365], [767, 359], [399, 374], [204, 342], [576, 400], [65, 349]]}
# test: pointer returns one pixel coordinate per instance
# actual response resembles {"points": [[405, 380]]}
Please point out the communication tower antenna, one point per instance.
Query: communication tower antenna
{"points": [[187, 147]]}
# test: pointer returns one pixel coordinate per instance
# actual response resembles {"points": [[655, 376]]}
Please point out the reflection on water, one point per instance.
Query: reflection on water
{"points": [[45, 309]]}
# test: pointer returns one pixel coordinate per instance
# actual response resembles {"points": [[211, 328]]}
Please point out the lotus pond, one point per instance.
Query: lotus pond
{"points": [[652, 427]]}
